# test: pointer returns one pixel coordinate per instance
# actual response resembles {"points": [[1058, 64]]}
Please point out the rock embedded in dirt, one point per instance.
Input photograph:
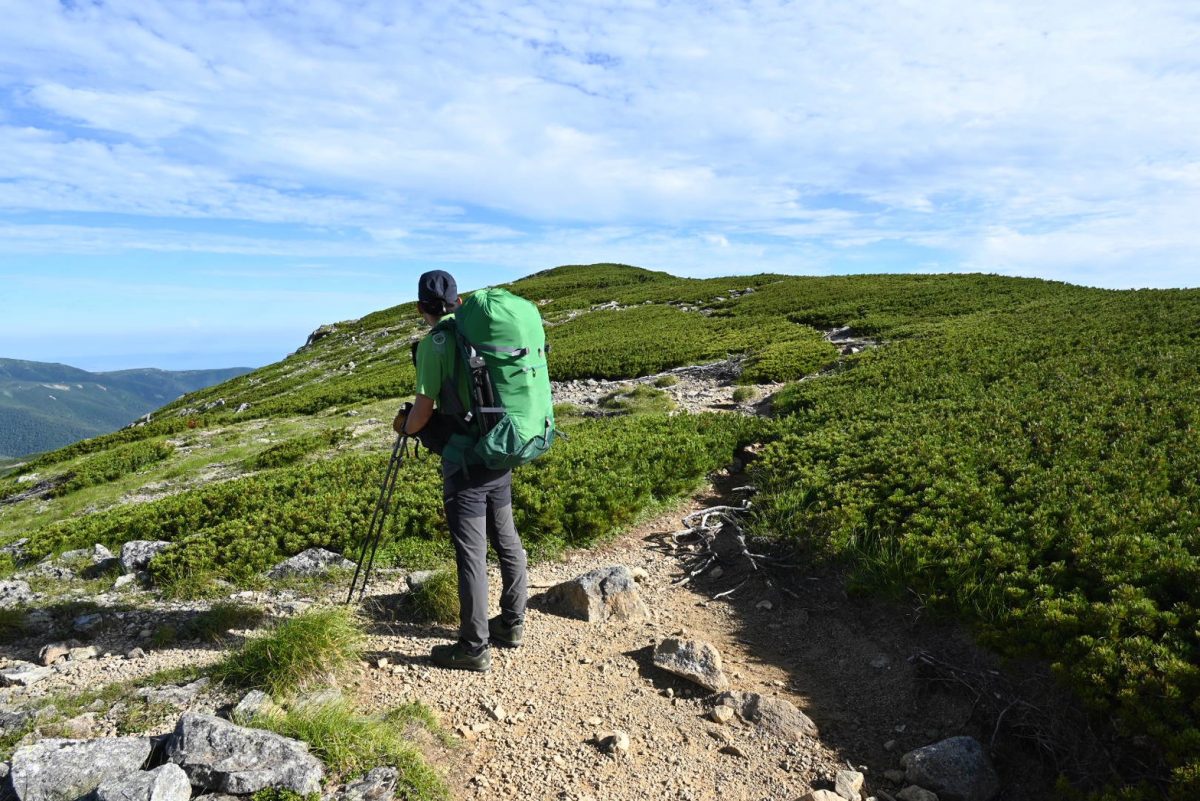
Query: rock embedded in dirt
{"points": [[378, 785], [221, 756], [418, 577], [693, 660], [54, 651], [83, 653], [312, 562], [253, 703], [820, 795], [65, 770], [957, 769], [721, 714], [136, 554], [165, 783], [14, 593], [24, 674], [848, 784], [615, 743], [915, 793], [606, 593], [179, 697], [775, 715], [14, 721]]}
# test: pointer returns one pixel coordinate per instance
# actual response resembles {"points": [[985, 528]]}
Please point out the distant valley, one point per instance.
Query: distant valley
{"points": [[45, 406]]}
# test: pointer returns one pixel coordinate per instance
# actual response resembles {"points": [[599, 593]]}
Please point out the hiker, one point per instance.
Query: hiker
{"points": [[478, 500]]}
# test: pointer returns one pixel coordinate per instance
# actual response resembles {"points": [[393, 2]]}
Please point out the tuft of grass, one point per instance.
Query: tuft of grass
{"points": [[664, 381], [164, 636], [567, 411], [414, 712], [642, 399], [742, 394], [13, 624], [282, 794], [437, 599], [312, 647], [213, 624], [350, 744]]}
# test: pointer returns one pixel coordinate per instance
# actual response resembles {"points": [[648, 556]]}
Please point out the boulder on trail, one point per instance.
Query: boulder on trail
{"points": [[24, 674], [220, 756], [15, 593], [775, 715], [65, 770], [694, 660], [165, 783], [378, 785], [957, 769], [54, 651], [606, 593], [136, 554], [313, 562]]}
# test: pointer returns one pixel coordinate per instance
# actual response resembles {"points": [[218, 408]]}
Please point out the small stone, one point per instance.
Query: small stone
{"points": [[733, 750], [253, 704], [135, 653], [776, 715], [881, 661], [640, 574], [312, 562], [957, 769], [764, 605], [615, 743], [83, 654], [915, 793], [123, 581], [848, 784], [15, 593], [894, 776], [23, 674], [820, 795], [694, 660], [497, 712], [890, 745], [716, 572], [721, 714], [137, 554], [87, 622], [381, 662], [481, 727]]}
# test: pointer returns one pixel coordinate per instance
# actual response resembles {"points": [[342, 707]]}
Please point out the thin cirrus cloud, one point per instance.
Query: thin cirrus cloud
{"points": [[1054, 139]]}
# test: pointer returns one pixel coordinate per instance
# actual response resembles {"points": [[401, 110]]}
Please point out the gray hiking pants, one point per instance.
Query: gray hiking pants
{"points": [[479, 510]]}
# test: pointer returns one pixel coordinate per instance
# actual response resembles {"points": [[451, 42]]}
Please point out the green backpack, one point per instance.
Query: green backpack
{"points": [[503, 346]]}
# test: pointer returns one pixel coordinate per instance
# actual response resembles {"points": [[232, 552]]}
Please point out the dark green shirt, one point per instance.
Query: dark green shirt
{"points": [[437, 357]]}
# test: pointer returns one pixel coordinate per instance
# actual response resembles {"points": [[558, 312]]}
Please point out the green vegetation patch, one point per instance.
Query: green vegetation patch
{"points": [[640, 399], [436, 599], [350, 744], [296, 448], [1034, 469], [314, 647]]}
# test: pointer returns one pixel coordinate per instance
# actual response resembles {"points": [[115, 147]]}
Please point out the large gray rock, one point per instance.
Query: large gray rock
{"points": [[606, 593], [957, 769], [65, 770], [14, 721], [24, 674], [378, 785], [693, 660], [165, 783], [775, 715], [136, 554], [221, 756], [15, 593], [313, 562]]}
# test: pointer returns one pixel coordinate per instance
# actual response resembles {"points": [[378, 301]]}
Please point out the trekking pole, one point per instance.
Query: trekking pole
{"points": [[378, 520]]}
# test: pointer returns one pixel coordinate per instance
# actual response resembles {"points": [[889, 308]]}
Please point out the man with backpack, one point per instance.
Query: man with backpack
{"points": [[478, 497]]}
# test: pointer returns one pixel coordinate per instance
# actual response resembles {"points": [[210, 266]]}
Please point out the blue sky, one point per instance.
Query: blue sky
{"points": [[192, 184]]}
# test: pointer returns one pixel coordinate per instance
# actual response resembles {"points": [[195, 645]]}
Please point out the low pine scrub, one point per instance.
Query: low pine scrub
{"points": [[314, 647]]}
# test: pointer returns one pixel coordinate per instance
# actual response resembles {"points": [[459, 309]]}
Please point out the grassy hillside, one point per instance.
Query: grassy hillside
{"points": [[45, 406], [1019, 453]]}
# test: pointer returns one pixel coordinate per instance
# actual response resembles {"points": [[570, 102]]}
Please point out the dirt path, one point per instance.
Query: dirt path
{"points": [[844, 662]]}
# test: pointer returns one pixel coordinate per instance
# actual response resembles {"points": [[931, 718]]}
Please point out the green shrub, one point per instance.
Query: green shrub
{"points": [[742, 394], [109, 465], [436, 599], [664, 381], [641, 399], [315, 646], [282, 794], [13, 624], [350, 744], [295, 449]]}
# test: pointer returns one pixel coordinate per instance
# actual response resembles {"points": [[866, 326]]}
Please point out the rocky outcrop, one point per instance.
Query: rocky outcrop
{"points": [[164, 783], [313, 562], [693, 660], [378, 785], [23, 674], [775, 715], [65, 770], [15, 593], [607, 593], [957, 769], [220, 756], [136, 554]]}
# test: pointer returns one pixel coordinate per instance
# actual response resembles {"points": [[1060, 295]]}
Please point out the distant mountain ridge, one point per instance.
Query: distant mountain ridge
{"points": [[45, 405]]}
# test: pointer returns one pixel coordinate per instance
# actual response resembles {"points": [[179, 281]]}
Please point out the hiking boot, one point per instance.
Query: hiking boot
{"points": [[500, 633], [455, 658]]}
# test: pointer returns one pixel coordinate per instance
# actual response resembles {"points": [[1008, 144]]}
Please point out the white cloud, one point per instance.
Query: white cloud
{"points": [[1039, 138]]}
